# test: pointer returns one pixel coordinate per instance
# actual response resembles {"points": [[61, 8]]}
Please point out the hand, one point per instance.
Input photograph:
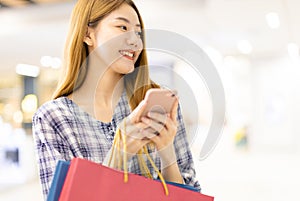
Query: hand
{"points": [[131, 128], [163, 127]]}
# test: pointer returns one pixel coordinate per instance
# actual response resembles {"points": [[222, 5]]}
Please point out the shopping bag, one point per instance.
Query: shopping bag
{"points": [[60, 174], [58, 180], [90, 181]]}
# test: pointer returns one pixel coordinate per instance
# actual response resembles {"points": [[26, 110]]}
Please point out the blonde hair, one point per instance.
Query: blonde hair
{"points": [[89, 13]]}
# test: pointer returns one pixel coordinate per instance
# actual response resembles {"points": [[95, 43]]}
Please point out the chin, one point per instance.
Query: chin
{"points": [[129, 71], [126, 68]]}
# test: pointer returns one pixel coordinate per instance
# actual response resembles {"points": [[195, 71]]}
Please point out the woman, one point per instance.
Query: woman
{"points": [[106, 78]]}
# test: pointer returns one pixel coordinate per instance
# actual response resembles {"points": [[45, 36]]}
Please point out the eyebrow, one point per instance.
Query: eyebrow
{"points": [[126, 20]]}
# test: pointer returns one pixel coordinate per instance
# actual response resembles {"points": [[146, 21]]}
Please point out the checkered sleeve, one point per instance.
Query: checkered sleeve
{"points": [[184, 155], [50, 146]]}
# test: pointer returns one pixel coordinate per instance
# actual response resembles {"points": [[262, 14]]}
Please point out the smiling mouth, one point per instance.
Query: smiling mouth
{"points": [[127, 54]]}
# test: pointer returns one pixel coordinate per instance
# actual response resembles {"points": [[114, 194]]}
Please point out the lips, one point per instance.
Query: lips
{"points": [[129, 54]]}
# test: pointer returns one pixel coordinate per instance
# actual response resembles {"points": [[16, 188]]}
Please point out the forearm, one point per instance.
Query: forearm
{"points": [[172, 174], [169, 166]]}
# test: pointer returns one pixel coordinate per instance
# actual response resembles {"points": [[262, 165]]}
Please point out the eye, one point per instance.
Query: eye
{"points": [[139, 33], [124, 28]]}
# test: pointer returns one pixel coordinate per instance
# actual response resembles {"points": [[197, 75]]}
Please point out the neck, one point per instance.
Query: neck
{"points": [[102, 87], [108, 87]]}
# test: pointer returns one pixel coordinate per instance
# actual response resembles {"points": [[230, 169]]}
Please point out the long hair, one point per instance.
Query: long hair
{"points": [[89, 13]]}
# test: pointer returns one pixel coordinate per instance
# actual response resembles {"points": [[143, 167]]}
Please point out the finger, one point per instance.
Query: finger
{"points": [[173, 114], [134, 145], [158, 117], [155, 139], [137, 112], [132, 128], [149, 133], [135, 130], [153, 124], [164, 120], [135, 135], [170, 124]]}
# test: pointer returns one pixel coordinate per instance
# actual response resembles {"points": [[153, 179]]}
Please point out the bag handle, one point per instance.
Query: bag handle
{"points": [[117, 154]]}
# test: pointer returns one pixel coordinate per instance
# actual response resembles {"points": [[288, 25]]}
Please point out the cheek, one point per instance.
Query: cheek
{"points": [[108, 51], [140, 49], [140, 45], [138, 54]]}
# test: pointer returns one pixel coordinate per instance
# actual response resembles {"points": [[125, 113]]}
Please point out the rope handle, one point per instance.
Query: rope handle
{"points": [[142, 164]]}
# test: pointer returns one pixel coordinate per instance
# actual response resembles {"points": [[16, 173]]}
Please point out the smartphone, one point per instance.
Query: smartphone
{"points": [[159, 100]]}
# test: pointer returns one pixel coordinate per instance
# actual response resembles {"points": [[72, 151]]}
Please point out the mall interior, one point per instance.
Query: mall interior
{"points": [[242, 94]]}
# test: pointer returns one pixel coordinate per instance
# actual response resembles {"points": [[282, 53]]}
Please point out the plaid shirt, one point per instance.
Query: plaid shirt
{"points": [[62, 131]]}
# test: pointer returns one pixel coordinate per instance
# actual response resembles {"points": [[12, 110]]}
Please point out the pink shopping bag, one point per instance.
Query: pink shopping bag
{"points": [[90, 181]]}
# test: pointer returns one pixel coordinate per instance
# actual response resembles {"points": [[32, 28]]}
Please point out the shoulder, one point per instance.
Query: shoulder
{"points": [[53, 109]]}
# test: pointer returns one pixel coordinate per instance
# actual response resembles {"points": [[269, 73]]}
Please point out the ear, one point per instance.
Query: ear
{"points": [[89, 36]]}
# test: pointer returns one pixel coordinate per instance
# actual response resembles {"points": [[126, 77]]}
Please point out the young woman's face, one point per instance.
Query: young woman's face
{"points": [[117, 39]]}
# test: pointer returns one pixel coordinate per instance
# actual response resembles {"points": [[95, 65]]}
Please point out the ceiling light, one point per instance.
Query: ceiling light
{"points": [[46, 61], [29, 103], [18, 117], [273, 20], [56, 62], [27, 70], [53, 62], [244, 47]]}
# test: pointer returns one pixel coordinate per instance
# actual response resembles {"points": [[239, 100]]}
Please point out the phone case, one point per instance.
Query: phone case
{"points": [[159, 100]]}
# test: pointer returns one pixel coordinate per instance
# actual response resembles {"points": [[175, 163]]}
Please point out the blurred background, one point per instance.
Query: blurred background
{"points": [[254, 45]]}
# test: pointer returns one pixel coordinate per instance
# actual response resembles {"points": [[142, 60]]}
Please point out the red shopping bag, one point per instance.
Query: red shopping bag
{"points": [[88, 181]]}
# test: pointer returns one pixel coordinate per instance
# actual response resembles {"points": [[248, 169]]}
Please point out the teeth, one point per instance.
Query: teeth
{"points": [[126, 53]]}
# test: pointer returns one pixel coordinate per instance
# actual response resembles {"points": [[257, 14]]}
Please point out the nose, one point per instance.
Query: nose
{"points": [[133, 39]]}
